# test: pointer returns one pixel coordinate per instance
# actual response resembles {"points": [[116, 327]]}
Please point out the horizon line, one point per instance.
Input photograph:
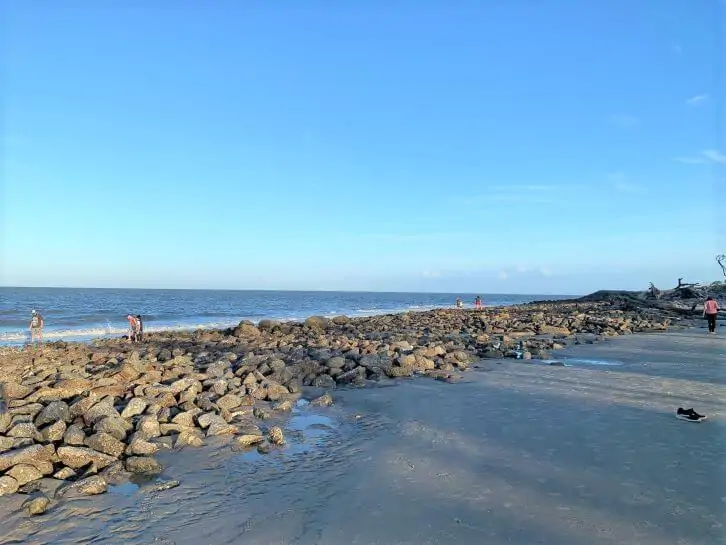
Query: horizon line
{"points": [[279, 290]]}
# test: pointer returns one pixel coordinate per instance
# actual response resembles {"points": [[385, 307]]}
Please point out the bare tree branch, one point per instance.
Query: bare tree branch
{"points": [[721, 260]]}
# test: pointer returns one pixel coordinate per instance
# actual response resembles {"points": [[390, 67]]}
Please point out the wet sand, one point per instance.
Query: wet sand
{"points": [[517, 452]]}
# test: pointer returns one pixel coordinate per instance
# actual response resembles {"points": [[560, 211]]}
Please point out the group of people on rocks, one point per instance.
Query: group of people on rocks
{"points": [[477, 303], [136, 327]]}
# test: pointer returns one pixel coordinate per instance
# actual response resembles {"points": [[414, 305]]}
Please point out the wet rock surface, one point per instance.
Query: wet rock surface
{"points": [[71, 411]]}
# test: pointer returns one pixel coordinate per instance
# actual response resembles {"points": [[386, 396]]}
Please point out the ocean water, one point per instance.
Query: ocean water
{"points": [[74, 314]]}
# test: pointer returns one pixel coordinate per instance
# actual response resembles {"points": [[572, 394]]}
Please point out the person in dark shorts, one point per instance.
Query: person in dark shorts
{"points": [[710, 311], [139, 328]]}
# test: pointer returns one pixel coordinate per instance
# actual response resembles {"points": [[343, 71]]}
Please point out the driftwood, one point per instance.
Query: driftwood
{"points": [[653, 292], [721, 260], [682, 284]]}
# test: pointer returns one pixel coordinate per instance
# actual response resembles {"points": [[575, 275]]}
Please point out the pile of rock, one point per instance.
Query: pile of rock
{"points": [[94, 414], [93, 417]]}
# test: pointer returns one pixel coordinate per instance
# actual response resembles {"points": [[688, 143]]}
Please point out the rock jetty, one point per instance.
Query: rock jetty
{"points": [[93, 414]]}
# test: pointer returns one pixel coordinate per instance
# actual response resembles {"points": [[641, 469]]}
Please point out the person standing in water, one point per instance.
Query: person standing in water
{"points": [[710, 312], [477, 302], [133, 328], [459, 302], [36, 326]]}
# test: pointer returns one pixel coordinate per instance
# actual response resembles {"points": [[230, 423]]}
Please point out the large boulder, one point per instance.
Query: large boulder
{"points": [[106, 443], [99, 411], [74, 436], [55, 411], [134, 407], [77, 457], [114, 425], [143, 465], [268, 325], [8, 485], [32, 455], [37, 505], [25, 473], [317, 322], [54, 432], [246, 329]]}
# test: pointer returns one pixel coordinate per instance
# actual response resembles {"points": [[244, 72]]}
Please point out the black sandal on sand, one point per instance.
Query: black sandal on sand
{"points": [[689, 415]]}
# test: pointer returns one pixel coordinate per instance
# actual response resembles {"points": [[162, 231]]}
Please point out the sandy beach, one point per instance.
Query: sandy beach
{"points": [[515, 452]]}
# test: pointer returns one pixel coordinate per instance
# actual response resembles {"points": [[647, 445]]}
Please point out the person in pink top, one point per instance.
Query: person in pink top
{"points": [[710, 311]]}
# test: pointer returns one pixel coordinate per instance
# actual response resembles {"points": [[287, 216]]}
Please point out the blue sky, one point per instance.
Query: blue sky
{"points": [[490, 146]]}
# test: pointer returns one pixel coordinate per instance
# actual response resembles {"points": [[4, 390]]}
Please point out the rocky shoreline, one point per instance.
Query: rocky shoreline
{"points": [[92, 415]]}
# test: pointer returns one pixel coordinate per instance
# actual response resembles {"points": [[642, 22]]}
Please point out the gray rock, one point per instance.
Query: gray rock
{"points": [[5, 420], [55, 411], [276, 436], [219, 387], [351, 376], [99, 411], [77, 457], [8, 485], [189, 438], [148, 426], [284, 406], [31, 488], [113, 425], [268, 325], [92, 486], [317, 322], [219, 426], [24, 473], [186, 418], [229, 402], [336, 362], [106, 443], [6, 443], [262, 414], [37, 505], [218, 368], [205, 419], [143, 465], [248, 440], [64, 474], [186, 384], [89, 486], [115, 473], [140, 447], [264, 448], [325, 400], [135, 407], [163, 485], [324, 381], [32, 455], [54, 432], [74, 436], [25, 430]]}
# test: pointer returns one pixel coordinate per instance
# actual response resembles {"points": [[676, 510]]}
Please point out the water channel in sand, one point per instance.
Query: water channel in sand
{"points": [[515, 453]]}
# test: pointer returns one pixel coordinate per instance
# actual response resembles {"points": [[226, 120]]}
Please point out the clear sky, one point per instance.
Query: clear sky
{"points": [[516, 146]]}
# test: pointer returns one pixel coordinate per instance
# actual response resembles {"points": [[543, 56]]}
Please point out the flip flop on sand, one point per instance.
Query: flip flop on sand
{"points": [[689, 415]]}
